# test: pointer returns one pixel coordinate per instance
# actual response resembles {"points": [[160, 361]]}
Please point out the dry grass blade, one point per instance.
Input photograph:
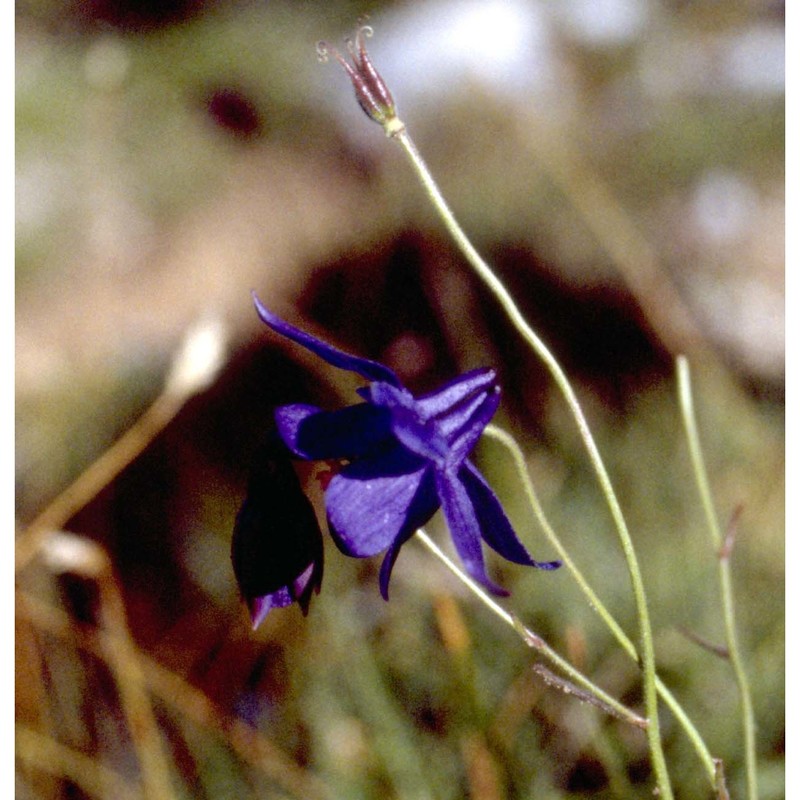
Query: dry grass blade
{"points": [[43, 753], [65, 552], [248, 744], [551, 679]]}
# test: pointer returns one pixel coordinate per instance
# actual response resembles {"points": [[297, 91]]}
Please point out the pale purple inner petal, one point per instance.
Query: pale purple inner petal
{"points": [[446, 399], [261, 606], [463, 441]]}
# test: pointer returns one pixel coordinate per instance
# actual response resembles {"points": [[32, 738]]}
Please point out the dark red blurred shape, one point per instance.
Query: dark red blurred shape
{"points": [[237, 114]]}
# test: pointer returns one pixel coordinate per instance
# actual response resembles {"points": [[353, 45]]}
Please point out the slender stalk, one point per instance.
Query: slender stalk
{"points": [[619, 634], [486, 274], [602, 698], [97, 476], [193, 368], [723, 547]]}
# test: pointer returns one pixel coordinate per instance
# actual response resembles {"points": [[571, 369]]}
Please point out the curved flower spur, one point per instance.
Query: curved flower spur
{"points": [[403, 458]]}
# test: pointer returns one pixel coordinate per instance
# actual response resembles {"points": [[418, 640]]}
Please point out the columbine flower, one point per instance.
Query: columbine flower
{"points": [[372, 93], [405, 457], [277, 544]]}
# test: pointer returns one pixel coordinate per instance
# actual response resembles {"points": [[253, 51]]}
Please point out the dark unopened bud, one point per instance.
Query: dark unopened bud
{"points": [[277, 544], [372, 93]]}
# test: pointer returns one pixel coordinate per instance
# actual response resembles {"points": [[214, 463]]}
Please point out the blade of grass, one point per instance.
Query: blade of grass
{"points": [[193, 368], [723, 546], [172, 690], [42, 752]]}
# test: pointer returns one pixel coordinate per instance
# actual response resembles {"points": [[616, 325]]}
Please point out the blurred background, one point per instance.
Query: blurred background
{"points": [[620, 163]]}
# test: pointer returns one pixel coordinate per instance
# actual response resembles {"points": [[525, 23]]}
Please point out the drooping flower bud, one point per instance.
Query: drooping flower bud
{"points": [[277, 544]]}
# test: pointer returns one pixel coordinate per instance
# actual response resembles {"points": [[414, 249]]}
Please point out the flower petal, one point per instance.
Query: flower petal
{"points": [[259, 607], [310, 581], [495, 527], [299, 591], [463, 440], [371, 370], [376, 501], [387, 565], [417, 434], [464, 527], [452, 395], [314, 434]]}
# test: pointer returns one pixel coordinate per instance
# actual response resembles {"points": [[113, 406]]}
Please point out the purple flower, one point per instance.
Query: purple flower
{"points": [[405, 458], [277, 544]]}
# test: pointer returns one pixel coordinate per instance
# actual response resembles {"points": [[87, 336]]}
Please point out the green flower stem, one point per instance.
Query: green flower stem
{"points": [[508, 441], [594, 692], [724, 569], [486, 274]]}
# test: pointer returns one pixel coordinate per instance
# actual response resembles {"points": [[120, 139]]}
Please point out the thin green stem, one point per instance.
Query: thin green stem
{"points": [[537, 345], [602, 698], [723, 548], [508, 441]]}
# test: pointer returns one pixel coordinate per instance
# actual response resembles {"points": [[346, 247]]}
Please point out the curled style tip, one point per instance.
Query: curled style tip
{"points": [[370, 89]]}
